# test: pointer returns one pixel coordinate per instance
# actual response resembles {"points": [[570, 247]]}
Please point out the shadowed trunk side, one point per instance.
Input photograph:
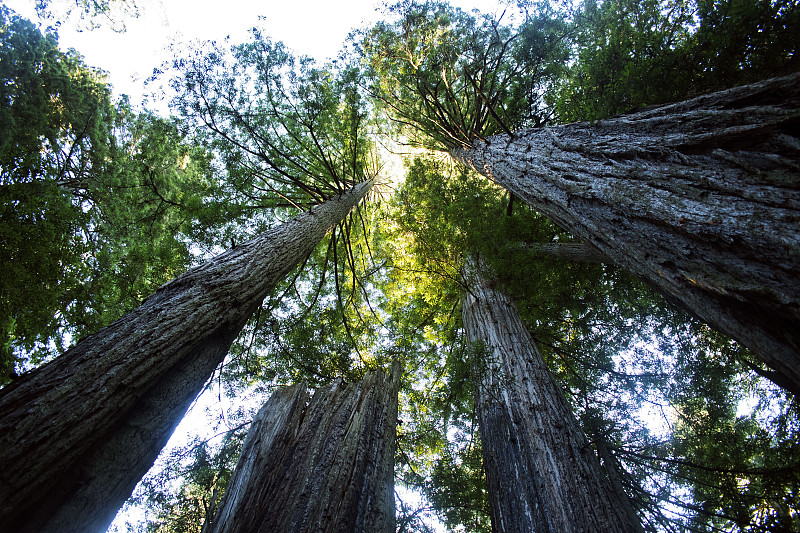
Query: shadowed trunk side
{"points": [[541, 473]]}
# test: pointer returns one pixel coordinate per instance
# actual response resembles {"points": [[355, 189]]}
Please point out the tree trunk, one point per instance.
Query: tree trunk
{"points": [[701, 199], [577, 252], [78, 433], [324, 466], [542, 475]]}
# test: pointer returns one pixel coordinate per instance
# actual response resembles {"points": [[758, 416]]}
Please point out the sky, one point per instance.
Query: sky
{"points": [[317, 28]]}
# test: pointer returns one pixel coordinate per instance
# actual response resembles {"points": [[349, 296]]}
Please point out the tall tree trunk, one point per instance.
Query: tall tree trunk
{"points": [[324, 466], [701, 199], [78, 433], [577, 252], [542, 475]]}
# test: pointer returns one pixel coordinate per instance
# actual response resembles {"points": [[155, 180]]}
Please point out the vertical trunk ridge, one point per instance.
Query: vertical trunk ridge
{"points": [[319, 466], [542, 475]]}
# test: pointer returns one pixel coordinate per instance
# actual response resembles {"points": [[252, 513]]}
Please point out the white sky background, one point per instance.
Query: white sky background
{"points": [[317, 28]]}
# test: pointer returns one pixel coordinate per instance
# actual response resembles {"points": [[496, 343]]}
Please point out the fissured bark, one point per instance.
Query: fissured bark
{"points": [[701, 199]]}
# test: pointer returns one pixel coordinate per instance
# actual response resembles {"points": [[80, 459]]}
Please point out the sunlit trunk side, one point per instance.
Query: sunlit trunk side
{"points": [[701, 199], [321, 467], [541, 473], [78, 433]]}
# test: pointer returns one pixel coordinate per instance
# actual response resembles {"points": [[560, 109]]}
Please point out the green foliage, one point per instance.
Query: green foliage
{"points": [[633, 53], [38, 235], [718, 457], [53, 111], [743, 468], [201, 472], [447, 77], [325, 320], [98, 202], [625, 52], [291, 134], [52, 107], [101, 204], [91, 14], [457, 486], [742, 41], [157, 193]]}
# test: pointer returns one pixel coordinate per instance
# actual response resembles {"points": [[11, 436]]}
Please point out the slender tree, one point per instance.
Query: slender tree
{"points": [[80, 431], [542, 475], [290, 133], [321, 464], [698, 198]]}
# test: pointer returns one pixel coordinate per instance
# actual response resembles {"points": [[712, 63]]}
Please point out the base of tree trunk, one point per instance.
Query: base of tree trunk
{"points": [[541, 473]]}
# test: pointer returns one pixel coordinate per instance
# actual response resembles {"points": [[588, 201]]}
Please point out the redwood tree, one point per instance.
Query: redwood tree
{"points": [[78, 433], [321, 464], [699, 198], [542, 475]]}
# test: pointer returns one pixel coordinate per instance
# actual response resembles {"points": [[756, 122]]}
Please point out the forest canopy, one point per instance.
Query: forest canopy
{"points": [[103, 203]]}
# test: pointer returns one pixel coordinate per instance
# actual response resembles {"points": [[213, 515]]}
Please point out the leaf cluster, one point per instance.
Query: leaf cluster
{"points": [[90, 14], [189, 490], [99, 202], [626, 50], [290, 134], [447, 77]]}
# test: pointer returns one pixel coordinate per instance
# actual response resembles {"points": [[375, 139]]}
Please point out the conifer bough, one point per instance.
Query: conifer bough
{"points": [[701, 199], [78, 433]]}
